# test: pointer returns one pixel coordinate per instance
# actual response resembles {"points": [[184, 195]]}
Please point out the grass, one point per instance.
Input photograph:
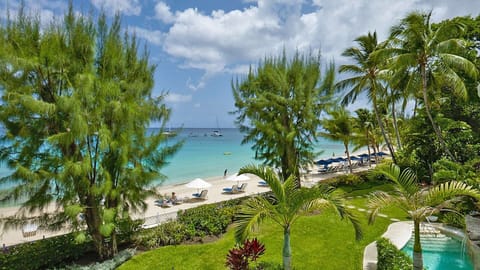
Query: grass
{"points": [[318, 242]]}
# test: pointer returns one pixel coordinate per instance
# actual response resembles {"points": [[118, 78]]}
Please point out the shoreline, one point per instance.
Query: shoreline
{"points": [[155, 214]]}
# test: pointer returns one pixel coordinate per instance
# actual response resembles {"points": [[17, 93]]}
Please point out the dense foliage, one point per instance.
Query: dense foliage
{"points": [[76, 104], [191, 225], [240, 257], [279, 104], [390, 257], [44, 254]]}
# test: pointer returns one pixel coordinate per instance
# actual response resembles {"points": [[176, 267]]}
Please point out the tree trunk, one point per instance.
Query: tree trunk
{"points": [[417, 248], [438, 133], [287, 253], [395, 126], [382, 128], [92, 217], [348, 158], [368, 149]]}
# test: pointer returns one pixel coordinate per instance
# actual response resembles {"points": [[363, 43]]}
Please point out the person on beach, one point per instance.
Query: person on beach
{"points": [[225, 173], [174, 198]]}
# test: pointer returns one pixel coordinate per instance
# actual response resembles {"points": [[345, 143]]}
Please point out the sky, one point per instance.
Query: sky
{"points": [[200, 46]]}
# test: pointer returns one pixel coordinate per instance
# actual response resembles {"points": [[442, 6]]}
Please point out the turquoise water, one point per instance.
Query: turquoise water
{"points": [[441, 252], [205, 156]]}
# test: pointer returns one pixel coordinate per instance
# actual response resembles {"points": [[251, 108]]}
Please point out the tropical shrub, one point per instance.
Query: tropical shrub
{"points": [[390, 257], [453, 219], [169, 233], [239, 258], [44, 254], [111, 264], [210, 219]]}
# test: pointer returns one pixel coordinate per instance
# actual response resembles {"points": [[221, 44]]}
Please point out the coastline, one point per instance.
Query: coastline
{"points": [[155, 214]]}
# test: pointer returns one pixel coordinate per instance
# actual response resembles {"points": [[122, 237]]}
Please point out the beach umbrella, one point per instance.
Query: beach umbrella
{"points": [[355, 158], [323, 162], [364, 155], [339, 159], [198, 183], [236, 177], [382, 154]]}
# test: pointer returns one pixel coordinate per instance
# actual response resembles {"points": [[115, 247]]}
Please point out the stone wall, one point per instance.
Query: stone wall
{"points": [[473, 234]]}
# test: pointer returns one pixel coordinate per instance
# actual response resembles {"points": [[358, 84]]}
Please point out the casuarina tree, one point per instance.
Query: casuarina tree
{"points": [[76, 104], [278, 108]]}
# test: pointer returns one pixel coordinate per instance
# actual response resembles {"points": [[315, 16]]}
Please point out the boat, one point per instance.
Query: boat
{"points": [[216, 133], [169, 133]]}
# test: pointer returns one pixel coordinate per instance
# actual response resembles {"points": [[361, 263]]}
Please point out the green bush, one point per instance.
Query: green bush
{"points": [[111, 264], [45, 253], [390, 257], [452, 219], [210, 219], [170, 233]]}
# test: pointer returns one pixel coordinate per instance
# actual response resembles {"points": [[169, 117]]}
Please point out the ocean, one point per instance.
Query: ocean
{"points": [[204, 156]]}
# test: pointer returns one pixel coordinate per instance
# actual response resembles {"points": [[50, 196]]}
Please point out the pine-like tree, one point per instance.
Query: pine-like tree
{"points": [[279, 106], [76, 105]]}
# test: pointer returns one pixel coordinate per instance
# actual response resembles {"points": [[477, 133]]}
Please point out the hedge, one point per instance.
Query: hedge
{"points": [[43, 254], [390, 257]]}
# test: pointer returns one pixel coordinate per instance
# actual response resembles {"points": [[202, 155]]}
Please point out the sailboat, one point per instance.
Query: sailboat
{"points": [[169, 132], [216, 132]]}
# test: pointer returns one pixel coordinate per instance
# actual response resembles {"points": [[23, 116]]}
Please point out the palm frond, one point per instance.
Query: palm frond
{"points": [[377, 201], [269, 175], [449, 190], [460, 63], [250, 215], [406, 180]]}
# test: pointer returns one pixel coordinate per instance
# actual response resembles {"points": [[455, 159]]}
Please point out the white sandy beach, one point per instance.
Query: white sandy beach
{"points": [[155, 214]]}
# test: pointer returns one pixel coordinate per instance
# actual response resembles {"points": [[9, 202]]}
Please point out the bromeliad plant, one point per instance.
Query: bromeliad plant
{"points": [[240, 257], [286, 204], [415, 201]]}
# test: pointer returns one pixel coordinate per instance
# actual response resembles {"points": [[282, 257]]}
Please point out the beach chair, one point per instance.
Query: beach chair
{"points": [[201, 196], [163, 203], [29, 230], [262, 184], [233, 189], [242, 187]]}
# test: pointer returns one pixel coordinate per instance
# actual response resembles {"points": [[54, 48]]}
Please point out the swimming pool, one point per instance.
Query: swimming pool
{"points": [[441, 252]]}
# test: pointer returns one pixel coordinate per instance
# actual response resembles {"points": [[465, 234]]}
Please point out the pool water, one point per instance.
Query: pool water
{"points": [[441, 252]]}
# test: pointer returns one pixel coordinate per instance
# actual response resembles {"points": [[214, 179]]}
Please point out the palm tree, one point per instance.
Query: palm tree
{"points": [[435, 56], [367, 77], [365, 125], [416, 202], [286, 204], [340, 128]]}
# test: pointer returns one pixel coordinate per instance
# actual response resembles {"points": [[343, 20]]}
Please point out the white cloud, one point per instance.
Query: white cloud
{"points": [[126, 7], [228, 41], [163, 13], [155, 37], [196, 105], [47, 11], [177, 98]]}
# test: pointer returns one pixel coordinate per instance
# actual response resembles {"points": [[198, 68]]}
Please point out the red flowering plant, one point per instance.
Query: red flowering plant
{"points": [[239, 258]]}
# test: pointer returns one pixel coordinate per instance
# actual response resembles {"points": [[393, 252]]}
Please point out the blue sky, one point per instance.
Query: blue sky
{"points": [[199, 46]]}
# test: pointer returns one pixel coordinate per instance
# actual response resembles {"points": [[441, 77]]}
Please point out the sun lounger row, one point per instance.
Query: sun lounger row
{"points": [[339, 168], [235, 189], [169, 202]]}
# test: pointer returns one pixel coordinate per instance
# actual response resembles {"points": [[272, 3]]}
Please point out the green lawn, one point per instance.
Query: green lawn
{"points": [[318, 242]]}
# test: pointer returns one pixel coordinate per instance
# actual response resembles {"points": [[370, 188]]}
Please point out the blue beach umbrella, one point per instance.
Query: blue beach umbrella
{"points": [[363, 155], [355, 158], [339, 159], [323, 162]]}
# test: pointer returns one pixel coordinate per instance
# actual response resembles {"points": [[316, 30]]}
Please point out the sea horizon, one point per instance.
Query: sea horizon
{"points": [[206, 156]]}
